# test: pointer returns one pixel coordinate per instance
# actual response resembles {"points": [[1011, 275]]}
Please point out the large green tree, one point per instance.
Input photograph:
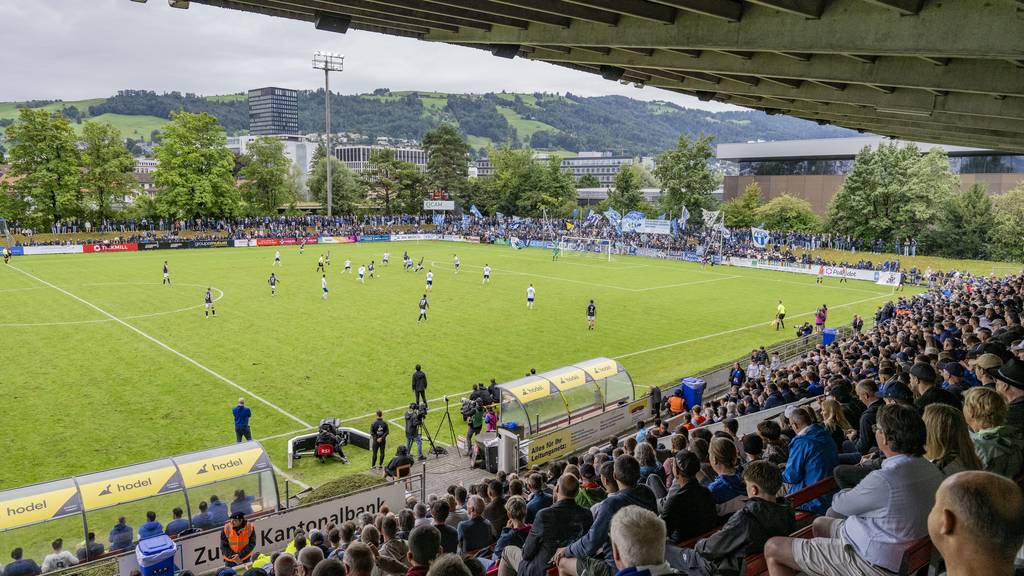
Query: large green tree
{"points": [[625, 194], [194, 178], [1007, 238], [106, 166], [552, 192], [788, 213], [741, 212], [892, 192], [44, 155], [347, 191], [385, 179], [447, 159], [588, 181], [686, 177], [965, 224], [265, 173]]}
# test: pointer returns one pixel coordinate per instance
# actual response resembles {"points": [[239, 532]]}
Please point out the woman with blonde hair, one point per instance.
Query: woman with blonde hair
{"points": [[835, 421], [949, 444], [999, 447]]}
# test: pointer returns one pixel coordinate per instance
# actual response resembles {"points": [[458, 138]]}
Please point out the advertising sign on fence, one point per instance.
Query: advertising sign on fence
{"points": [[338, 239], [120, 247], [63, 249], [201, 553], [588, 432], [439, 205], [655, 226], [375, 238]]}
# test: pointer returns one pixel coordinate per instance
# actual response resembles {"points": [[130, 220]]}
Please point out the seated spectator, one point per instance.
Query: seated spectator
{"points": [[358, 560], [554, 526], [21, 566], [812, 457], [392, 547], [287, 565], [309, 557], [949, 444], [451, 565], [424, 547], [151, 527], [886, 512], [121, 536], [177, 525], [923, 384], [637, 542], [1000, 447], [474, 533], [727, 489], [835, 422], [515, 532], [326, 568], [203, 520], [644, 453], [689, 509], [581, 557], [1009, 379], [867, 393], [976, 523], [242, 503], [591, 492], [753, 447], [540, 498], [495, 512], [449, 535], [401, 459], [218, 512], [90, 549], [59, 559], [762, 516], [776, 450]]}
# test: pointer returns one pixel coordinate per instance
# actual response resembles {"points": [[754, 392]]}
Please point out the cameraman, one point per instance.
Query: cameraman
{"points": [[413, 419], [474, 424]]}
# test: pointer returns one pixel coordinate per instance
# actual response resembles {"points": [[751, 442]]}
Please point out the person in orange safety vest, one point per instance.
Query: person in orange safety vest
{"points": [[676, 404], [237, 540]]}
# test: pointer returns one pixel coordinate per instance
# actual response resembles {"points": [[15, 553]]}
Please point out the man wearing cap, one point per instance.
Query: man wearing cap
{"points": [[981, 367], [1010, 385], [953, 376], [922, 383], [242, 414], [237, 540], [896, 392]]}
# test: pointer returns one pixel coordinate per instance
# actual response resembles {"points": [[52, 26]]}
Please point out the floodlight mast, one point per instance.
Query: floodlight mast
{"points": [[328, 62]]}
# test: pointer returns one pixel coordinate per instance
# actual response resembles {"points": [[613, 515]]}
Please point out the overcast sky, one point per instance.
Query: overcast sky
{"points": [[76, 49]]}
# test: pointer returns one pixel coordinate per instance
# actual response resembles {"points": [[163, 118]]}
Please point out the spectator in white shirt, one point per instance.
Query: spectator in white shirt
{"points": [[59, 559]]}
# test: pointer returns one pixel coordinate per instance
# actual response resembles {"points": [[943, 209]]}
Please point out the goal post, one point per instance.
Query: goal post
{"points": [[578, 246], [5, 235]]}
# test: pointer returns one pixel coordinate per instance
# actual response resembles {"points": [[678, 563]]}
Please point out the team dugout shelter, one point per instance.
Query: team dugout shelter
{"points": [[239, 475], [541, 402]]}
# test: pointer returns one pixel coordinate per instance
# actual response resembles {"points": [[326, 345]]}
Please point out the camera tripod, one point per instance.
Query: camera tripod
{"points": [[437, 451]]}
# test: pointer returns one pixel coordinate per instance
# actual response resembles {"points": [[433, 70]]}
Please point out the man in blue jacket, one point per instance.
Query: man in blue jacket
{"points": [[151, 527], [812, 457], [581, 557], [218, 511], [121, 535], [540, 498], [242, 414], [203, 520]]}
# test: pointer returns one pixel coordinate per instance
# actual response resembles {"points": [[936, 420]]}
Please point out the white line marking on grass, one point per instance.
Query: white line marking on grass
{"points": [[687, 283], [289, 433], [188, 359], [733, 330], [290, 478], [20, 289]]}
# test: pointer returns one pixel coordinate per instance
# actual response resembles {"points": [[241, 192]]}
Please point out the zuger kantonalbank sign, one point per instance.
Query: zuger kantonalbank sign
{"points": [[201, 553]]}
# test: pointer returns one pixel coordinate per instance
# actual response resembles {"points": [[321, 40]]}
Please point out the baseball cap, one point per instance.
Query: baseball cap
{"points": [[922, 371], [988, 361], [954, 369], [896, 391], [687, 462], [238, 516]]}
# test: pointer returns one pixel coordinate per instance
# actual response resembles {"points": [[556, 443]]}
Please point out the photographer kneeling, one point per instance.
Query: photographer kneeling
{"points": [[413, 420]]}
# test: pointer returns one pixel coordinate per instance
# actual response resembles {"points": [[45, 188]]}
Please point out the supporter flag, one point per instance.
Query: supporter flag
{"points": [[614, 218], [674, 226], [634, 215], [439, 219], [663, 216], [569, 225], [759, 237], [499, 215], [593, 218], [683, 217], [465, 221], [475, 212], [514, 225], [575, 213]]}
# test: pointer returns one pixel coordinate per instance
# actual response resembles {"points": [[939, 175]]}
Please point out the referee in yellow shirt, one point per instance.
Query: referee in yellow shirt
{"points": [[780, 316]]}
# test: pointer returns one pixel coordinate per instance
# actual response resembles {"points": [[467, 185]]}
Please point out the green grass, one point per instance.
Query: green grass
{"points": [[109, 396], [524, 127], [137, 127], [478, 142]]}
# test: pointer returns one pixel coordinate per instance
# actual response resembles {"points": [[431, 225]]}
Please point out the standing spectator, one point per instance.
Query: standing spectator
{"points": [[419, 385], [378, 438], [242, 414], [121, 536], [177, 525], [976, 523], [238, 540], [812, 457], [655, 400], [884, 513], [21, 566], [582, 556], [554, 526], [1000, 447], [59, 559]]}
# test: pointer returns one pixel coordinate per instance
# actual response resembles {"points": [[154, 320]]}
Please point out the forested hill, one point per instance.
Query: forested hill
{"points": [[543, 121]]}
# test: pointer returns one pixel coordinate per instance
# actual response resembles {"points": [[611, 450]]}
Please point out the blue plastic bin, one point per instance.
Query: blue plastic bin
{"points": [[156, 556], [693, 391], [828, 336]]}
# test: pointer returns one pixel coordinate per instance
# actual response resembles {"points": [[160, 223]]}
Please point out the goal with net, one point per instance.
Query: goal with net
{"points": [[579, 247]]}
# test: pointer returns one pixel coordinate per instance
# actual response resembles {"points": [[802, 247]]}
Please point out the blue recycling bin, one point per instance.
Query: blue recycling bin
{"points": [[693, 391], [156, 556], [828, 336]]}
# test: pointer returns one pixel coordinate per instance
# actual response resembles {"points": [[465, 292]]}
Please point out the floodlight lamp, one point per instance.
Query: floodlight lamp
{"points": [[329, 61]]}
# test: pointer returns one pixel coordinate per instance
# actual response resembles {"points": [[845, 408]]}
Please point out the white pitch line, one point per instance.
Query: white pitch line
{"points": [[687, 283], [733, 330], [188, 359], [290, 478], [289, 433]]}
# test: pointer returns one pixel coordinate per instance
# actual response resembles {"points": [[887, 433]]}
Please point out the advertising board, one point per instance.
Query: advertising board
{"points": [[439, 205], [587, 432], [33, 250], [118, 247]]}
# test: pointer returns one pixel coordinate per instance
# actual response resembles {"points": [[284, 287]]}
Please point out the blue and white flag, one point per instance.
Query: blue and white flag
{"points": [[516, 243], [683, 217], [663, 216], [475, 212], [593, 218], [499, 215], [439, 219], [759, 237], [674, 224], [613, 217], [465, 221], [634, 215], [514, 225], [575, 213]]}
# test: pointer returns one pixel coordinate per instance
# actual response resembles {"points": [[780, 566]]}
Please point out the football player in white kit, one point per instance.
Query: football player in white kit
{"points": [[348, 266], [323, 284], [277, 258], [430, 280], [456, 263], [487, 274], [362, 274], [530, 295]]}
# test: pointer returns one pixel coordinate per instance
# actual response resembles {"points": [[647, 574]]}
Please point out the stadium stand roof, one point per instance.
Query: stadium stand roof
{"points": [[923, 70]]}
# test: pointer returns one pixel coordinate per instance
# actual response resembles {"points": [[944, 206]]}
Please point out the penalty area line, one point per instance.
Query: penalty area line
{"points": [[188, 359]]}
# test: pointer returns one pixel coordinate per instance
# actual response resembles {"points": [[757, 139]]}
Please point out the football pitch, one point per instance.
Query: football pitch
{"points": [[104, 366]]}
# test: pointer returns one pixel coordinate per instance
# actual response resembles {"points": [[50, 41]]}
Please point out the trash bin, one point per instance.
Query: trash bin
{"points": [[693, 391], [156, 556], [828, 336]]}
